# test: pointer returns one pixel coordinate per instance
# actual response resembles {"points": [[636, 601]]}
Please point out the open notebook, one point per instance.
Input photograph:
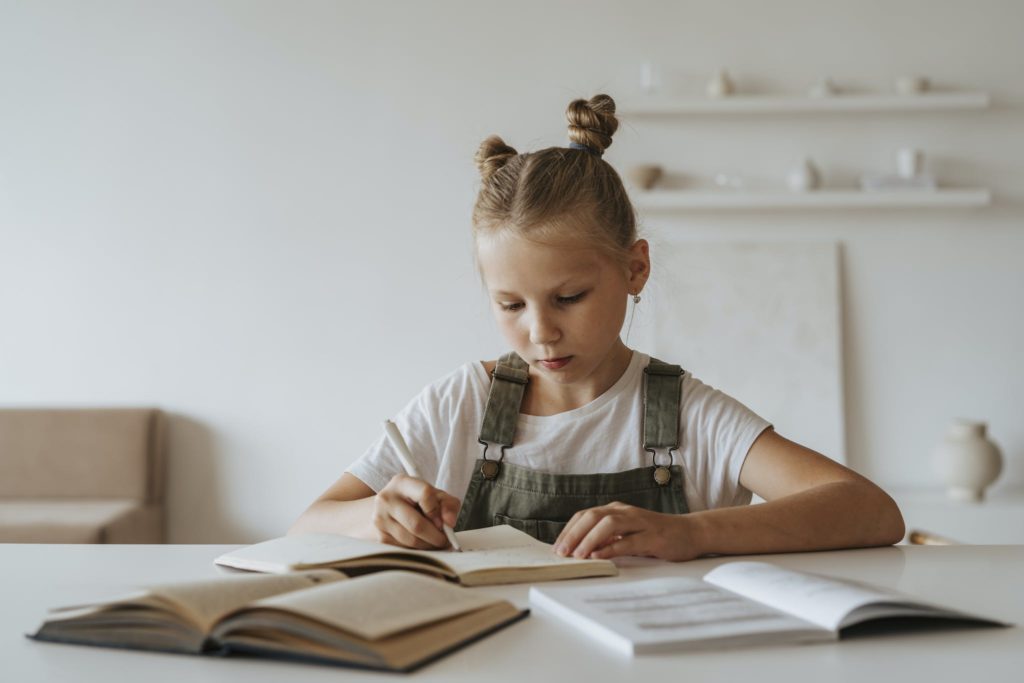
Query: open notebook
{"points": [[388, 620], [739, 603], [498, 554]]}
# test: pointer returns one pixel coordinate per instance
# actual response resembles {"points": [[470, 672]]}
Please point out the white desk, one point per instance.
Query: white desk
{"points": [[984, 579]]}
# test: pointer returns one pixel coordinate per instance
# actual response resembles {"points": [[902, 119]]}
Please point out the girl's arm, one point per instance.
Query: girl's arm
{"points": [[407, 512], [812, 503], [344, 508]]}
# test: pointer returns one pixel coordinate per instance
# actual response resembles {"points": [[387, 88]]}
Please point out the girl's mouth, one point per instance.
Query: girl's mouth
{"points": [[555, 363]]}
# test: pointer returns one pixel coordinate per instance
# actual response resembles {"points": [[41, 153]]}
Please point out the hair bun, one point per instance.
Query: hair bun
{"points": [[492, 155], [592, 122]]}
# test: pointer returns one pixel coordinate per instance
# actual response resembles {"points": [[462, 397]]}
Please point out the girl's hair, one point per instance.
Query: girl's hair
{"points": [[558, 192]]}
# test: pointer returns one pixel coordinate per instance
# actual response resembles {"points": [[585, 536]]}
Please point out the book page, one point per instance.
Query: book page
{"points": [[653, 614], [203, 602], [377, 605], [819, 599], [207, 601]]}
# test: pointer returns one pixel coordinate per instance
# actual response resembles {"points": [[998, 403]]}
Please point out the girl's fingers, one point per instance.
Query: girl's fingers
{"points": [[608, 528], [413, 512], [439, 506], [407, 538], [620, 545], [577, 529], [450, 506], [412, 520]]}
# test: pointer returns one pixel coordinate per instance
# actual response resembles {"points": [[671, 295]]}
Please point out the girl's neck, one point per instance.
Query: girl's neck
{"points": [[545, 398]]}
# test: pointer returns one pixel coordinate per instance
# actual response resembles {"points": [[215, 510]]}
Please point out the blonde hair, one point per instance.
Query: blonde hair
{"points": [[558, 192]]}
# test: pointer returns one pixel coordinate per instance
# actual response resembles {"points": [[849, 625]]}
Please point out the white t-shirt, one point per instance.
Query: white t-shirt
{"points": [[441, 426]]}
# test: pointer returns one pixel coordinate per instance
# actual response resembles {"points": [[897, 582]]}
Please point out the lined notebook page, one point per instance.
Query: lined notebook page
{"points": [[821, 600], [665, 614]]}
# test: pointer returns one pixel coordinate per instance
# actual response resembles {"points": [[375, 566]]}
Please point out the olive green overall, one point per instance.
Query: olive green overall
{"points": [[540, 503]]}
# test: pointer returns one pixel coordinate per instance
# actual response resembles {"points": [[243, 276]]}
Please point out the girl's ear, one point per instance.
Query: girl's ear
{"points": [[639, 264]]}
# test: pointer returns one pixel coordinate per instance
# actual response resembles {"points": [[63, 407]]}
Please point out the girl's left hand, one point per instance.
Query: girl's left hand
{"points": [[620, 529]]}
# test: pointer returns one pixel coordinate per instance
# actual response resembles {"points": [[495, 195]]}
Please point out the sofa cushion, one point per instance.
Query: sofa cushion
{"points": [[81, 453], [62, 521]]}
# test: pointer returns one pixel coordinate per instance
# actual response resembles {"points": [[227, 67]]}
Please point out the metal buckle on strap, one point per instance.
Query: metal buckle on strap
{"points": [[490, 468], [662, 473]]}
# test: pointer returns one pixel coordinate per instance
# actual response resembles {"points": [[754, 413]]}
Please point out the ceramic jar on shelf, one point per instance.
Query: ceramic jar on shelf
{"points": [[804, 177], [967, 460]]}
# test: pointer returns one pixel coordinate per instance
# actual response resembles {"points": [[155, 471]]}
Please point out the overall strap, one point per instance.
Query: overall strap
{"points": [[662, 393], [510, 376]]}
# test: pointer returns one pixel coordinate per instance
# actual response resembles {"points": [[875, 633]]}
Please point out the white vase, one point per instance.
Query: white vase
{"points": [[909, 162], [968, 460], [720, 85], [803, 177]]}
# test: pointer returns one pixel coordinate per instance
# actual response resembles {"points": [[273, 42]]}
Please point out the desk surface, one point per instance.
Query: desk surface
{"points": [[982, 579]]}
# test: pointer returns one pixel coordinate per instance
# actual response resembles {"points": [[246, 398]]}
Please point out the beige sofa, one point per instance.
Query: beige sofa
{"points": [[81, 475]]}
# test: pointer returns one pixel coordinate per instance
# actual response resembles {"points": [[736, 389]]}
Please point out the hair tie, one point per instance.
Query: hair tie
{"points": [[586, 148]]}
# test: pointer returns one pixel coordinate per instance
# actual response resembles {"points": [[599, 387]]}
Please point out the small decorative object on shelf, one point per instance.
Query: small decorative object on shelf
{"points": [[912, 85], [909, 162], [739, 199], [645, 176], [650, 78], [909, 174], [823, 88], [967, 460], [844, 102], [729, 180], [804, 177], [720, 85]]}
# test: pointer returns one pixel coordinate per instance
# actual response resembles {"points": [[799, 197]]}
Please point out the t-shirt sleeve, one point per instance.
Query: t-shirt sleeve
{"points": [[722, 430], [424, 423]]}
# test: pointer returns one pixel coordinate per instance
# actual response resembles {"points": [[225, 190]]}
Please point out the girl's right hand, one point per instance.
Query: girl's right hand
{"points": [[410, 512]]}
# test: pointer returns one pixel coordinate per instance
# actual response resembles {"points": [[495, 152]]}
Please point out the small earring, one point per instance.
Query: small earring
{"points": [[636, 299]]}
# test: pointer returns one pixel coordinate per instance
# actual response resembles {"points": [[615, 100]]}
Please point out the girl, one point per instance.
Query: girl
{"points": [[572, 436]]}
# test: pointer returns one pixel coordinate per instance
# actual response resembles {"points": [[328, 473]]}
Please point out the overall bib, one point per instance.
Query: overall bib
{"points": [[540, 503]]}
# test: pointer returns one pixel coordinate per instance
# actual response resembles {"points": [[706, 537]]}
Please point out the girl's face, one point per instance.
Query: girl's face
{"points": [[561, 307]]}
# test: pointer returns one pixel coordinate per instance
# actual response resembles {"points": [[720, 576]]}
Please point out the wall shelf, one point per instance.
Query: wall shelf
{"points": [[999, 519], [772, 104], [669, 200]]}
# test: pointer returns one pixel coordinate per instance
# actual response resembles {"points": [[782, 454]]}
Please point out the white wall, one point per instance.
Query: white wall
{"points": [[255, 214]]}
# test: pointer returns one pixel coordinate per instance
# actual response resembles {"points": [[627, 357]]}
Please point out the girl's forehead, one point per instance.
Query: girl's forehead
{"points": [[510, 249], [512, 263]]}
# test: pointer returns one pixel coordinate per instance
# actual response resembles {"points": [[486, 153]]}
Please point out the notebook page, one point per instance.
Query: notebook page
{"points": [[665, 614], [500, 547], [380, 604], [281, 554], [821, 600]]}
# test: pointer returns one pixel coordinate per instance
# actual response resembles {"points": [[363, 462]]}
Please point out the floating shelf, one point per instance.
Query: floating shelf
{"points": [[773, 104], [669, 200]]}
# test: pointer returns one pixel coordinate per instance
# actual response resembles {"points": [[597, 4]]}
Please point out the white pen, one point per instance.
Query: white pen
{"points": [[405, 455]]}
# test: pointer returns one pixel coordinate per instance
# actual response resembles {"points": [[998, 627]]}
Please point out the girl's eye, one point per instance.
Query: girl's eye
{"points": [[571, 299], [561, 300]]}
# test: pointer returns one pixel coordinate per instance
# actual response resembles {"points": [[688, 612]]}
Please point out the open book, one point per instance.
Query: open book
{"points": [[493, 555], [739, 603], [388, 620]]}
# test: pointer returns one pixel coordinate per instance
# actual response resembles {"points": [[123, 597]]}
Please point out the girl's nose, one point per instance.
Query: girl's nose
{"points": [[543, 331]]}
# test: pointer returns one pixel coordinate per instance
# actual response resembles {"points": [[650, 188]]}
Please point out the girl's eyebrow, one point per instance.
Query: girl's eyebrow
{"points": [[553, 289]]}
